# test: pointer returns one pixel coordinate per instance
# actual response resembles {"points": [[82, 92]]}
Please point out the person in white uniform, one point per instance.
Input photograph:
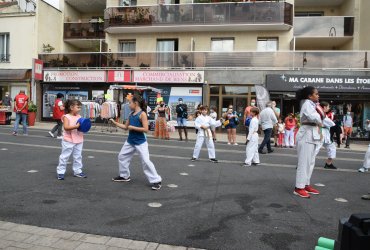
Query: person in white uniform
{"points": [[366, 166], [204, 123], [252, 140], [327, 143], [308, 140]]}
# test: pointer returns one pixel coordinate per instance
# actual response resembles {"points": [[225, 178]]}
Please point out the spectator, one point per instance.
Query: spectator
{"points": [[347, 126], [213, 115], [281, 132], [267, 120], [290, 126], [337, 130], [247, 113], [58, 113], [161, 131], [232, 119], [182, 116], [7, 101], [275, 128], [21, 110]]}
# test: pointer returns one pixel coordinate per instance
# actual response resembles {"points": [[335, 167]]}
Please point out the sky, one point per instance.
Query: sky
{"points": [[54, 3]]}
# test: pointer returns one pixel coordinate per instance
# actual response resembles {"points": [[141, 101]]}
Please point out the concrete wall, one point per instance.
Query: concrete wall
{"points": [[23, 42], [70, 13], [364, 29]]}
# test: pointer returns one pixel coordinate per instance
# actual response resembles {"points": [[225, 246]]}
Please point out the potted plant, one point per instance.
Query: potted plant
{"points": [[32, 110]]}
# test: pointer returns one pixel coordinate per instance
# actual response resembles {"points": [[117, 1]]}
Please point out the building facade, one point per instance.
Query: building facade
{"points": [[231, 46]]}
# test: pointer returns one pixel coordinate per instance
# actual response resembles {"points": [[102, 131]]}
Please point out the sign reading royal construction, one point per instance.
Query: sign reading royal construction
{"points": [[74, 76], [324, 83], [168, 76]]}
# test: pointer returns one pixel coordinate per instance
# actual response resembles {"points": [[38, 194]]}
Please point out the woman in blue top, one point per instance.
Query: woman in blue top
{"points": [[137, 124], [232, 117]]}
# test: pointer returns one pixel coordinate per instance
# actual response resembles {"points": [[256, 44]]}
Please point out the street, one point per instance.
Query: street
{"points": [[203, 205]]}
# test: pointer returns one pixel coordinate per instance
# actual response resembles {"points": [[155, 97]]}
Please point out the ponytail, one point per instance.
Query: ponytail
{"points": [[138, 99], [304, 93]]}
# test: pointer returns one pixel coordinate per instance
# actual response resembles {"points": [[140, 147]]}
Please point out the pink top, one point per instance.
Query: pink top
{"points": [[73, 136]]}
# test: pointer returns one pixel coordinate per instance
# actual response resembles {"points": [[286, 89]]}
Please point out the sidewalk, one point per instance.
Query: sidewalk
{"points": [[18, 236], [221, 137]]}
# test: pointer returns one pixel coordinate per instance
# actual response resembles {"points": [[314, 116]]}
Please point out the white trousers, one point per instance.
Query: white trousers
{"points": [[69, 149], [289, 138], [125, 157], [210, 147], [307, 153], [367, 158], [331, 150], [252, 151]]}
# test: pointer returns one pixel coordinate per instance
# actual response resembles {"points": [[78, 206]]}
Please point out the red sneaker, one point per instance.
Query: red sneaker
{"points": [[301, 192], [311, 190]]}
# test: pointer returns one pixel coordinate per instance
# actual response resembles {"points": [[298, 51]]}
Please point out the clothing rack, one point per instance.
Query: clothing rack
{"points": [[109, 110], [91, 110]]}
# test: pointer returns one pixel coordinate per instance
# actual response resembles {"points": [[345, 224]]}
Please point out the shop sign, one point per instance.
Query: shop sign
{"points": [[119, 76], [74, 76], [324, 83], [37, 69], [168, 76]]}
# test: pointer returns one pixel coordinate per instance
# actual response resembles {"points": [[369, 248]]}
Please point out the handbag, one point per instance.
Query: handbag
{"points": [[226, 123]]}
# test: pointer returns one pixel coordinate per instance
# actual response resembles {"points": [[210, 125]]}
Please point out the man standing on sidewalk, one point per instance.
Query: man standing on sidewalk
{"points": [[21, 110], [58, 113], [267, 120], [182, 116], [348, 124]]}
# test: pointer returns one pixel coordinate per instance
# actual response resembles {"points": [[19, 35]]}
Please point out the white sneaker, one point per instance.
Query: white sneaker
{"points": [[236, 144], [228, 143], [51, 134], [59, 137], [363, 170]]}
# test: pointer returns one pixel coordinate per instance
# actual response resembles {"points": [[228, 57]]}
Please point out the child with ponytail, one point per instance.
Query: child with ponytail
{"points": [[137, 124]]}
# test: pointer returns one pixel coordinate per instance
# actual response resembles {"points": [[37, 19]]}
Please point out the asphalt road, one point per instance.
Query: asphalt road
{"points": [[215, 206]]}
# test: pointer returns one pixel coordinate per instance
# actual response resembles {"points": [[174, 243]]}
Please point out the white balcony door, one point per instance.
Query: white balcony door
{"points": [[222, 45], [166, 55], [267, 44]]}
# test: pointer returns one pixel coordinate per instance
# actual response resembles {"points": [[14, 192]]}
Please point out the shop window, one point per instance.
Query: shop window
{"points": [[128, 47], [4, 47], [222, 44], [235, 90], [214, 90], [267, 44]]}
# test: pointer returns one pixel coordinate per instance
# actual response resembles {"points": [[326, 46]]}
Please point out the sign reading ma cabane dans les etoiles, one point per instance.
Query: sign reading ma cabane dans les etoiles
{"points": [[324, 83]]}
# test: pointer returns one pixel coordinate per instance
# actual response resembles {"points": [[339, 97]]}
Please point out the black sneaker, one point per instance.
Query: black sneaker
{"points": [[213, 160], [256, 164], [331, 166], [193, 159], [121, 179], [270, 151], [245, 165], [261, 152], [156, 186]]}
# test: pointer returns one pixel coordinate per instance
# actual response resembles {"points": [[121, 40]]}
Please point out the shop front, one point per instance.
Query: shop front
{"points": [[344, 93], [14, 80]]}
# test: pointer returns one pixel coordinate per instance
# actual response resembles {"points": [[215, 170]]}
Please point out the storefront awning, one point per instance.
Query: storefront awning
{"points": [[134, 87], [15, 74]]}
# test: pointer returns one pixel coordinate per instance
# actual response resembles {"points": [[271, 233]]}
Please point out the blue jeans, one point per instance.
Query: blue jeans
{"points": [[266, 140], [24, 123], [181, 122]]}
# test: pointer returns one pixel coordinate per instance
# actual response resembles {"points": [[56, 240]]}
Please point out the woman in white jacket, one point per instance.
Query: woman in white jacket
{"points": [[204, 123], [308, 140], [252, 140]]}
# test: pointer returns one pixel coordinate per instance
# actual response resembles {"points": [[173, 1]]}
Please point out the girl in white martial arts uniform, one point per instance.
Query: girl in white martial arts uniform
{"points": [[252, 140], [137, 124], [366, 165], [327, 143], [204, 123], [308, 140]]}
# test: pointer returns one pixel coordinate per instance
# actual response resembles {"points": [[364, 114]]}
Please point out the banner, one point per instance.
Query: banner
{"points": [[37, 69], [263, 96], [119, 76], [168, 76], [74, 76], [324, 83]]}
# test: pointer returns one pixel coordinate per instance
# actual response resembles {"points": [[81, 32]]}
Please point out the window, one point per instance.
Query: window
{"points": [[300, 14], [267, 44], [128, 47], [128, 2], [167, 47], [4, 47], [222, 44]]}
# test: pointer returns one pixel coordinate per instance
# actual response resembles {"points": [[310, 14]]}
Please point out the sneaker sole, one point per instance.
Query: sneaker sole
{"points": [[121, 180], [307, 197], [156, 189], [313, 193], [80, 176]]}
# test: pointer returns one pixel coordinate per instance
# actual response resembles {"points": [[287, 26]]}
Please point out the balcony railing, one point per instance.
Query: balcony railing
{"points": [[84, 30], [210, 60], [200, 14], [4, 58], [324, 26]]}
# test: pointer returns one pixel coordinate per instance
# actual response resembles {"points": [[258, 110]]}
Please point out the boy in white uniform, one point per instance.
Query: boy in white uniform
{"points": [[366, 166], [252, 140], [203, 123]]}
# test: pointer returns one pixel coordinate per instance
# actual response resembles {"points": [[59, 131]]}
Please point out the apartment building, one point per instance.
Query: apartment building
{"points": [[216, 52], [26, 29]]}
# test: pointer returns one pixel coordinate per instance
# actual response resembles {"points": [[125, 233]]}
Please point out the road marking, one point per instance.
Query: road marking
{"points": [[154, 204], [4, 149], [191, 165], [184, 174], [172, 186], [177, 157], [340, 200], [32, 171], [91, 157], [319, 185]]}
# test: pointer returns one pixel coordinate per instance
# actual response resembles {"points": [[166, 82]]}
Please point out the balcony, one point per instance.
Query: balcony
{"points": [[236, 16], [323, 32], [88, 30], [210, 60]]}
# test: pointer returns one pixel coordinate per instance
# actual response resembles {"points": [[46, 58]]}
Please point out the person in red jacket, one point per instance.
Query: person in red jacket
{"points": [[58, 113], [21, 110], [290, 125]]}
